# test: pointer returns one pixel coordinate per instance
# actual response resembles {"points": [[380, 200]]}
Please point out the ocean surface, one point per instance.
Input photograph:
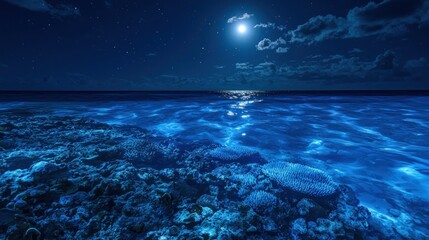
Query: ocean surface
{"points": [[376, 145]]}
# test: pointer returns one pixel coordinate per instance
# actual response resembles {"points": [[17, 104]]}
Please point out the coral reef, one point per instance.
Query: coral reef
{"points": [[67, 178]]}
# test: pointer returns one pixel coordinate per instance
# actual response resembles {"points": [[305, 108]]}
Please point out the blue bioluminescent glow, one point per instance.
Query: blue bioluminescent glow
{"points": [[210, 153]]}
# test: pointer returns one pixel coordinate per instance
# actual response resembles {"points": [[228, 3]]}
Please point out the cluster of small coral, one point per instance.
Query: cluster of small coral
{"points": [[67, 178]]}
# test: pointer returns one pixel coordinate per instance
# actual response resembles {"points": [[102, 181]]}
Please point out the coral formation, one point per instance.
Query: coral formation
{"points": [[235, 154], [261, 200], [300, 178]]}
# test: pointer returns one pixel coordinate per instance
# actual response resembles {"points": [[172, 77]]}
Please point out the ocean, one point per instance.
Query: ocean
{"points": [[214, 165]]}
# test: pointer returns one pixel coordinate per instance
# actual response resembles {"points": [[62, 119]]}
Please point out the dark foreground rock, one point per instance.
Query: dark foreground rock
{"points": [[67, 178]]}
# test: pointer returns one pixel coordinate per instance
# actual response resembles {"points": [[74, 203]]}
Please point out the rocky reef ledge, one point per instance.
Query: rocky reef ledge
{"points": [[68, 178]]}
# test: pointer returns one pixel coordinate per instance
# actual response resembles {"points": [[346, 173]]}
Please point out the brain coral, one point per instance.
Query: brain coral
{"points": [[300, 178]]}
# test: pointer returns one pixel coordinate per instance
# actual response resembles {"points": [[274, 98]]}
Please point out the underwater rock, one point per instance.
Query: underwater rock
{"points": [[73, 199], [223, 224], [269, 225], [299, 227], [325, 229], [354, 217], [299, 178], [310, 209], [19, 162], [7, 216], [208, 201], [191, 217], [304, 206], [348, 196], [43, 168], [174, 231], [34, 194], [104, 154], [400, 227], [66, 186], [137, 225], [186, 189], [21, 206], [18, 230]]}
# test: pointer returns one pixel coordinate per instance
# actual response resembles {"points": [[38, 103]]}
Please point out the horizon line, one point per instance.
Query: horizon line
{"points": [[320, 92]]}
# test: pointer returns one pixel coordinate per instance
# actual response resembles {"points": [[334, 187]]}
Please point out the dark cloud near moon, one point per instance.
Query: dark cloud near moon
{"points": [[389, 17], [319, 28]]}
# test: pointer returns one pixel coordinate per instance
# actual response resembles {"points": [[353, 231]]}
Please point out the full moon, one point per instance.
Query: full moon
{"points": [[242, 28]]}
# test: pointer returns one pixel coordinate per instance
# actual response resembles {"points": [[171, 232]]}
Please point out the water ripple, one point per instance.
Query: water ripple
{"points": [[377, 145]]}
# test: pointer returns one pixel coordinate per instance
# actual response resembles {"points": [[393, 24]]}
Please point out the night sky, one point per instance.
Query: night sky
{"points": [[214, 45]]}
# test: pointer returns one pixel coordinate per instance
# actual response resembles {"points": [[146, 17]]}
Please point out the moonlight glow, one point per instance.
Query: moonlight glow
{"points": [[242, 28]]}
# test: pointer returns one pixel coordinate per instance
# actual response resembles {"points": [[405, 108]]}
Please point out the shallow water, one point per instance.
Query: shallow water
{"points": [[378, 145]]}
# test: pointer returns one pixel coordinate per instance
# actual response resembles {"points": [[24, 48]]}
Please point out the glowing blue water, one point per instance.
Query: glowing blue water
{"points": [[378, 145]]}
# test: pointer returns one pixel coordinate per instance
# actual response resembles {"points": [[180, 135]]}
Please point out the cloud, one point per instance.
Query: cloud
{"points": [[250, 76], [270, 25], [356, 51], [219, 67], [417, 63], [330, 68], [388, 17], [319, 28], [243, 66], [265, 25], [282, 50], [250, 73], [339, 69], [332, 58], [43, 6], [239, 18], [265, 69], [267, 44], [329, 72], [385, 61]]}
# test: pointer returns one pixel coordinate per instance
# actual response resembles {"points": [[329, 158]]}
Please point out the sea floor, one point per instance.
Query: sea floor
{"points": [[228, 165]]}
